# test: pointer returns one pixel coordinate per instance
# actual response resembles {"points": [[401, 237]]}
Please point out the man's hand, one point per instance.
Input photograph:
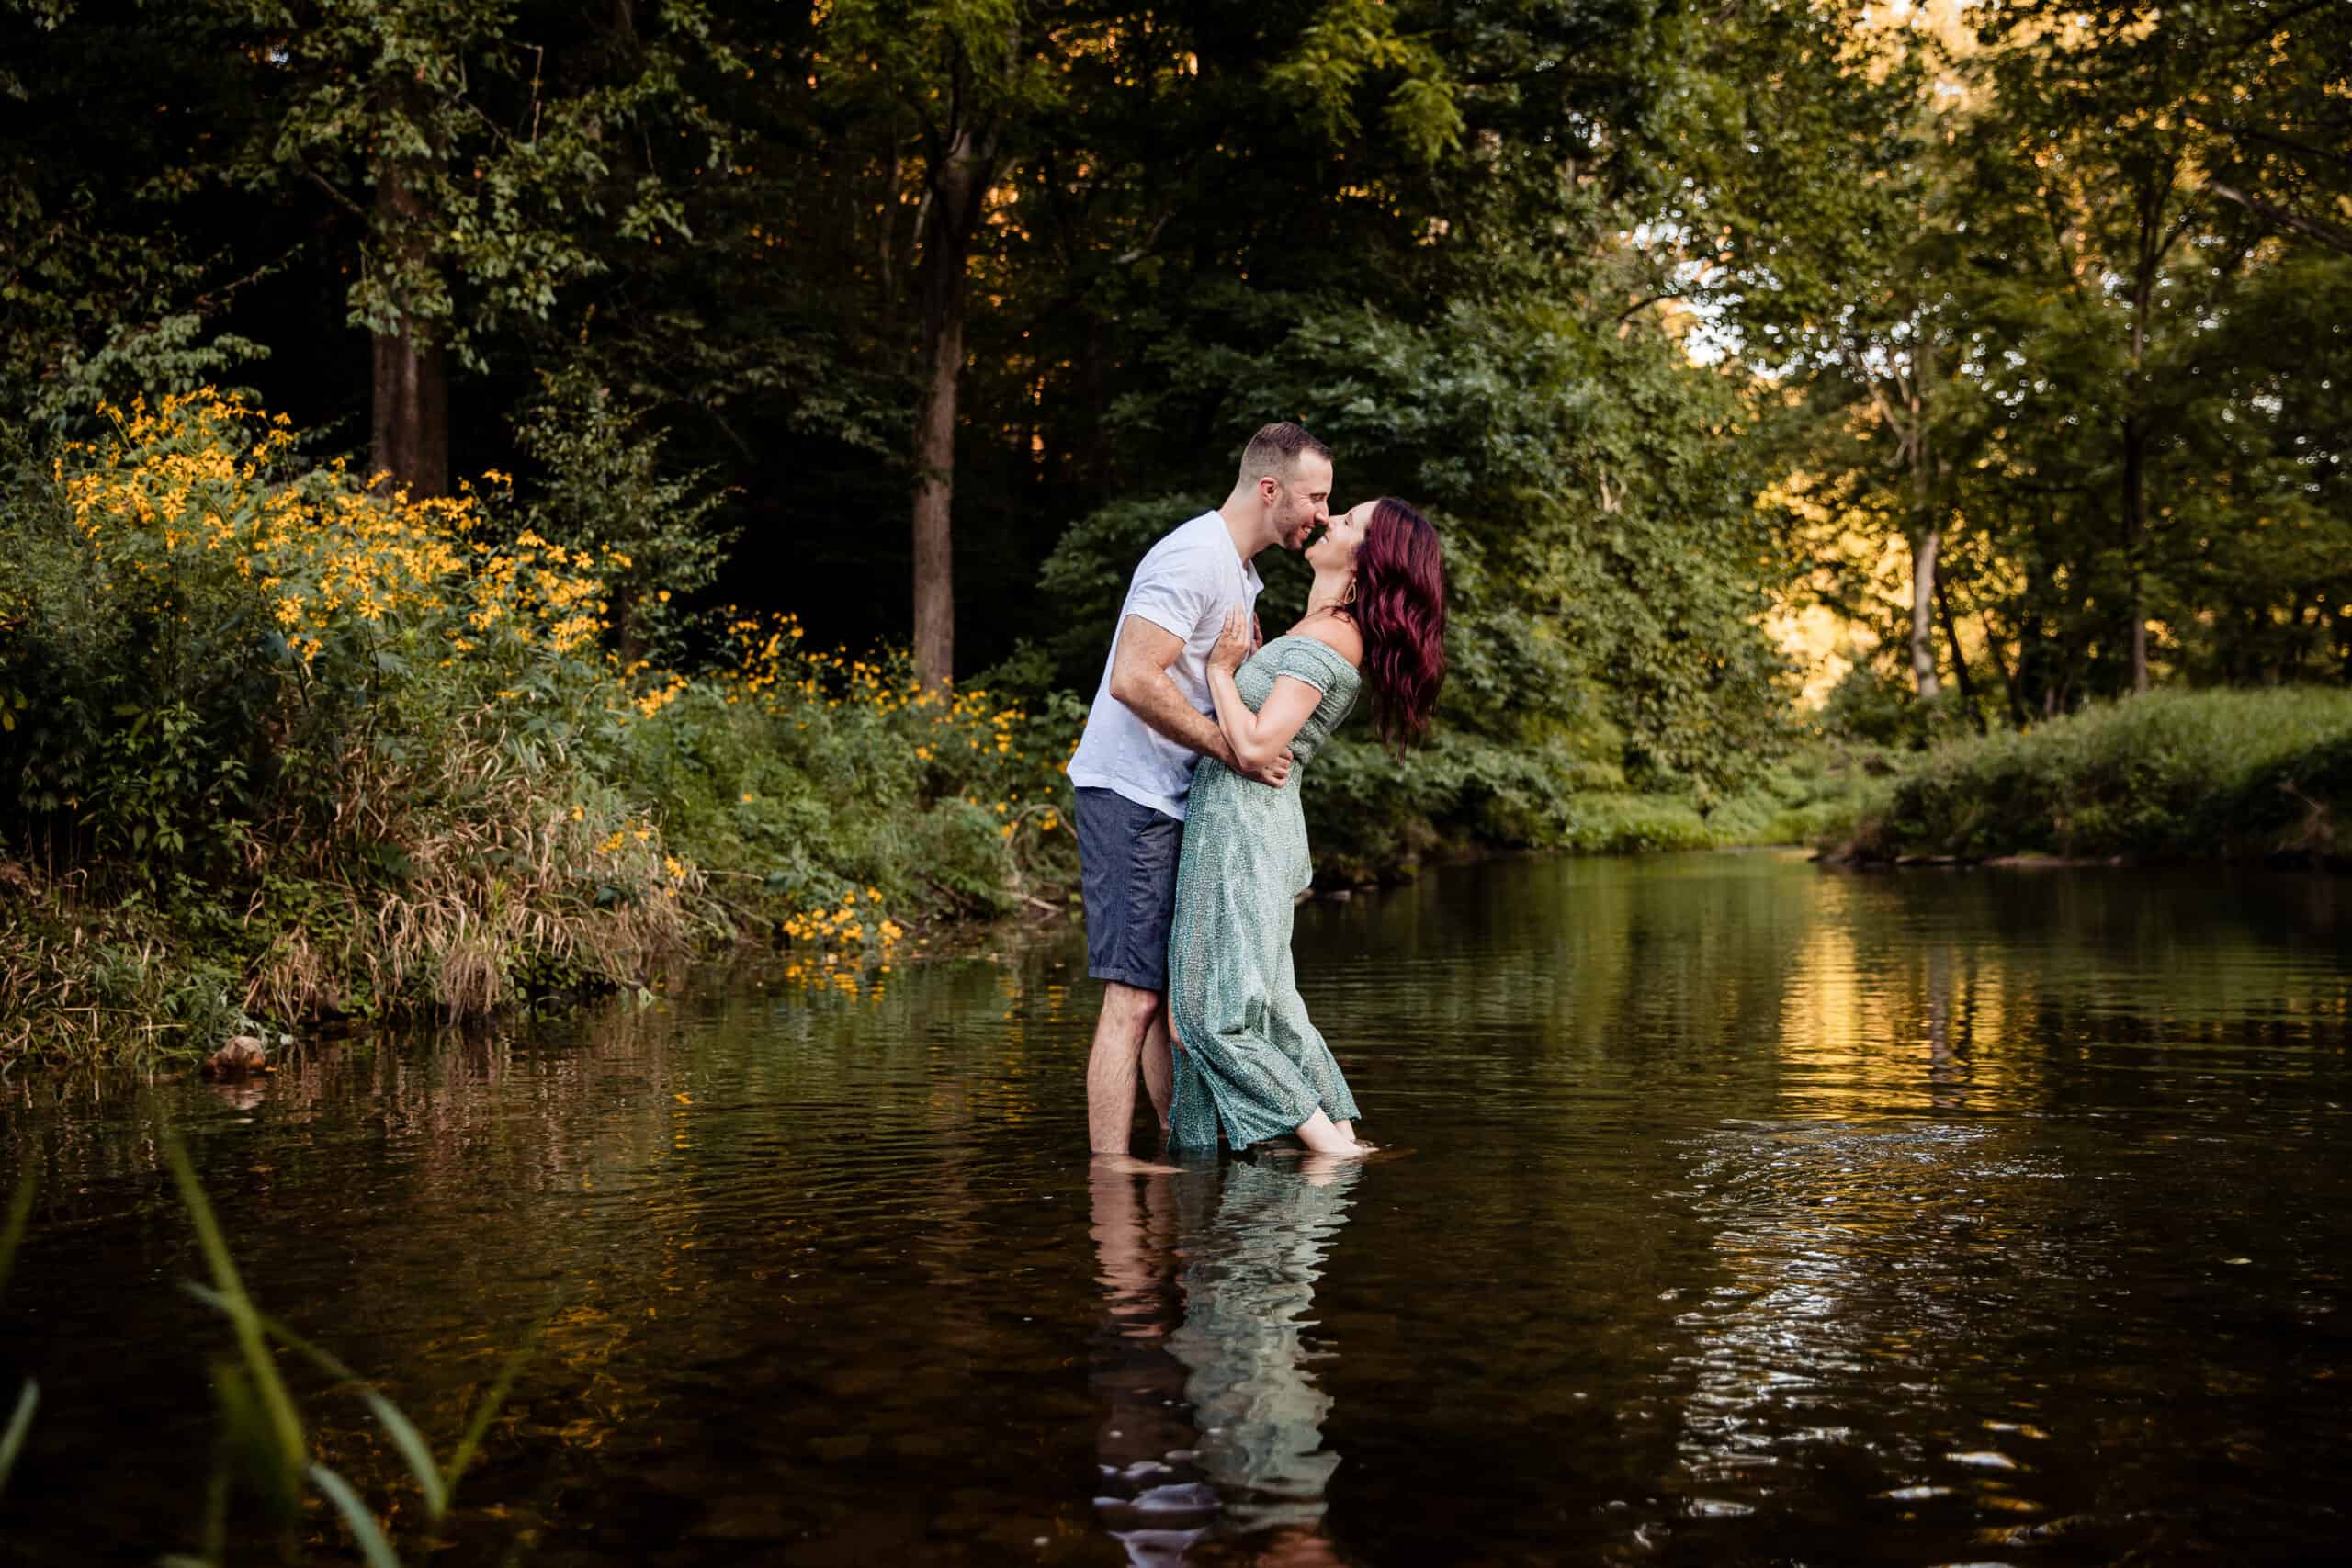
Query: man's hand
{"points": [[1139, 679], [1276, 773]]}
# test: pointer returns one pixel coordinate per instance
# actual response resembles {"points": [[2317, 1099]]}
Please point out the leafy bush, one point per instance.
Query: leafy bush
{"points": [[283, 745], [2170, 773], [1874, 709], [607, 492]]}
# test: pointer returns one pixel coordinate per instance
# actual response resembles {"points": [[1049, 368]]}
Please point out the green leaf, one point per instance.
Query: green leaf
{"points": [[413, 1448], [12, 1442], [376, 1550], [487, 1411], [277, 1405], [416, 1451]]}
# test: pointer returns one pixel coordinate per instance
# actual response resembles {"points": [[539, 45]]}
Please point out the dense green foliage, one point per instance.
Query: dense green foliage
{"points": [[1599, 559], [289, 751], [2085, 357], [2249, 775]]}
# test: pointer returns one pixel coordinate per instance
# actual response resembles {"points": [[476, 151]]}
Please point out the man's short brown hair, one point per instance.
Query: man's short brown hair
{"points": [[1275, 450]]}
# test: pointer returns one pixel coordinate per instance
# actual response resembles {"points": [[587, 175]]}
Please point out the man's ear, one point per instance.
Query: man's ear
{"points": [[1269, 488]]}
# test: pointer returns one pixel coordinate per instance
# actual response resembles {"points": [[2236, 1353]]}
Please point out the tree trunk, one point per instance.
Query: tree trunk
{"points": [[888, 238], [1959, 659], [2040, 660], [1927, 530], [409, 422], [2001, 665], [2153, 194], [960, 183], [2134, 525], [934, 498], [1924, 546]]}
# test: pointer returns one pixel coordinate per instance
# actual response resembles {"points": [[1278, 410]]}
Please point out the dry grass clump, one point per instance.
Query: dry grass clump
{"points": [[500, 881]]}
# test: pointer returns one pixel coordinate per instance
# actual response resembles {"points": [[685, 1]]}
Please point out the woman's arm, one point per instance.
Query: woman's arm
{"points": [[1139, 679], [1256, 737]]}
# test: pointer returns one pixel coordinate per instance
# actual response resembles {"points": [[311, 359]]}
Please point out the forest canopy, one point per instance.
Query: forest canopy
{"points": [[2005, 340]]}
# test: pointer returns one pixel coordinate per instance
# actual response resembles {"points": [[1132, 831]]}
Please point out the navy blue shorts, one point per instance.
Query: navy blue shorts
{"points": [[1127, 868]]}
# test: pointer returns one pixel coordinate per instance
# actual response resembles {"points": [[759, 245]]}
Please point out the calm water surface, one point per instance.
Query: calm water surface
{"points": [[1752, 1214]]}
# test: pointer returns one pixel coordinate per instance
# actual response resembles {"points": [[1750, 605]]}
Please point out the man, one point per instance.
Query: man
{"points": [[1152, 720]]}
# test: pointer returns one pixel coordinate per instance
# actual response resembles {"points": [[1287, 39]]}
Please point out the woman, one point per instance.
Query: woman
{"points": [[1251, 1062]]}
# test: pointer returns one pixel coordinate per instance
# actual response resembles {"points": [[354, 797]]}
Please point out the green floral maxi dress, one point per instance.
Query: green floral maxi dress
{"points": [[1249, 1059]]}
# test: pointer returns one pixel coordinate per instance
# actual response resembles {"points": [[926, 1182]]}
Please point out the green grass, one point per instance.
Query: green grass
{"points": [[2221, 775]]}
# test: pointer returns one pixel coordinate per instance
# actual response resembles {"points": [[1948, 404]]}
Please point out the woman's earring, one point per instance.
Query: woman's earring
{"points": [[1350, 596]]}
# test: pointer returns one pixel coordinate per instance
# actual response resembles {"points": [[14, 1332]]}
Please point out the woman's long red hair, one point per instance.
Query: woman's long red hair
{"points": [[1400, 609]]}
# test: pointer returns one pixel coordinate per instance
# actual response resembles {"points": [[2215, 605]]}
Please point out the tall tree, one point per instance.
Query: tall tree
{"points": [[2139, 128], [475, 152], [958, 83], [1849, 290]]}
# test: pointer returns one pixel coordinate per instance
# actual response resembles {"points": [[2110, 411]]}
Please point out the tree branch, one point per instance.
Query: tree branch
{"points": [[1627, 314], [2333, 238], [2255, 132], [2271, 25], [222, 291], [338, 198]]}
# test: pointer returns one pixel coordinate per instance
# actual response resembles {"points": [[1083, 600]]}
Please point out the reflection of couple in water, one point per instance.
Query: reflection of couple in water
{"points": [[1191, 843], [1210, 1422]]}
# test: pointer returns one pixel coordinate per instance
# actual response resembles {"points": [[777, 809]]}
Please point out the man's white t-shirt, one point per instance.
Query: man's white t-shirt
{"points": [[1185, 584]]}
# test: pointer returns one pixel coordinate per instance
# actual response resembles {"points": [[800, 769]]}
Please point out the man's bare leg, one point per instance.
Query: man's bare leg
{"points": [[1120, 1034], [1160, 1067]]}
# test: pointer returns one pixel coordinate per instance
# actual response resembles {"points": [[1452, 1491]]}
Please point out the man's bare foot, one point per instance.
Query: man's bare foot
{"points": [[1128, 1165]]}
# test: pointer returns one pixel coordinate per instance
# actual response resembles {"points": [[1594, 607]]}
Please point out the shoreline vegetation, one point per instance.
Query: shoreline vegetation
{"points": [[288, 748], [2260, 776], [293, 750]]}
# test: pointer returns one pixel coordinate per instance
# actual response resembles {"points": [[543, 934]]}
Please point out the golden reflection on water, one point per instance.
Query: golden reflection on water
{"points": [[1855, 1039]]}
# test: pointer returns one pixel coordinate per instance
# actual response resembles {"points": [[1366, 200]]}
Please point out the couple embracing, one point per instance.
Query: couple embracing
{"points": [[1192, 843]]}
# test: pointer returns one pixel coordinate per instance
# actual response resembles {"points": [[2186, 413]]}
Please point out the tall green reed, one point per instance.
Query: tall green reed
{"points": [[12, 1236], [261, 1424]]}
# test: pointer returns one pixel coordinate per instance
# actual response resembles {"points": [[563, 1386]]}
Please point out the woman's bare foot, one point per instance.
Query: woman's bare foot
{"points": [[1322, 1137]]}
